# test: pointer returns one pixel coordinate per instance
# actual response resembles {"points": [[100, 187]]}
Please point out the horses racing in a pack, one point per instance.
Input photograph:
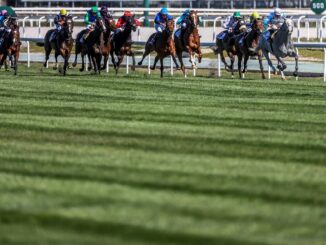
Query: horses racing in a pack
{"points": [[103, 37]]}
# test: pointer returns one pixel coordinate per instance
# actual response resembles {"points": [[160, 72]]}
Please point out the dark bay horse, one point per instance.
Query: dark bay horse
{"points": [[190, 42], [62, 44], [227, 44], [90, 46], [164, 46], [105, 43], [280, 47], [246, 43], [11, 45], [121, 44]]}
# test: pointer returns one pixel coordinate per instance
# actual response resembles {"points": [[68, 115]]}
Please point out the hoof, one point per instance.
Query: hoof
{"points": [[280, 67], [152, 68], [284, 67], [81, 69], [55, 68], [140, 63], [295, 74], [74, 64]]}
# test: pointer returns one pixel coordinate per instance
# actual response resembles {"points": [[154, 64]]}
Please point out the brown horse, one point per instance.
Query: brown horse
{"points": [[246, 43], [62, 44], [164, 46], [121, 44], [11, 45], [189, 41], [105, 44]]}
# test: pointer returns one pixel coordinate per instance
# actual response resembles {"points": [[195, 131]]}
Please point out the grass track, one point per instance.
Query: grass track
{"points": [[140, 160]]}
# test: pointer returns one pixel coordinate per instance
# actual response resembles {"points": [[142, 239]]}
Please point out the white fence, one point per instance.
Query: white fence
{"points": [[321, 46]]}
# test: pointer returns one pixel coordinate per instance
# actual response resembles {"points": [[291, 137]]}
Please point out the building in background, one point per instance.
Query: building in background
{"points": [[170, 3]]}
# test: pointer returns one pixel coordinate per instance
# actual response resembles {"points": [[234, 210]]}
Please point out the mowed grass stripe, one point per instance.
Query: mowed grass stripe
{"points": [[140, 160]]}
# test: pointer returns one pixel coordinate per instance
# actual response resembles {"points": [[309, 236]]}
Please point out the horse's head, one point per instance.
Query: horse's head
{"points": [[111, 24], [69, 25], [194, 19], [131, 23], [258, 26], [169, 26], [100, 25], [286, 27]]}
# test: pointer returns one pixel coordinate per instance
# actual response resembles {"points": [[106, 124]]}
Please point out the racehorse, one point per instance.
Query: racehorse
{"points": [[164, 46], [90, 46], [281, 47], [189, 42], [121, 44], [62, 44], [11, 45], [227, 43], [105, 43], [245, 44]]}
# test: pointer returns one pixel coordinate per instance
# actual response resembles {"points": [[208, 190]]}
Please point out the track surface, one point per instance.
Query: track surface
{"points": [[140, 160]]}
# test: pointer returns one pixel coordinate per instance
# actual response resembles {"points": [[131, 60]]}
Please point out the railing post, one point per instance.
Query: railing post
{"points": [[39, 25], [269, 69], [24, 23], [298, 27], [214, 27], [321, 28], [127, 65], [297, 52], [28, 55]]}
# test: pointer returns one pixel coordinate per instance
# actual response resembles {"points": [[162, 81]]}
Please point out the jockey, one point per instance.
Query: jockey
{"points": [[274, 21], [4, 28], [160, 23], [59, 21], [120, 25], [252, 20], [231, 25], [105, 13], [89, 19], [232, 22], [107, 18]]}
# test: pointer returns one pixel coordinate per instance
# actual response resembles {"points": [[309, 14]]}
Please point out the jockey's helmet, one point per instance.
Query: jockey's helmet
{"points": [[278, 12], [127, 13], [164, 11], [104, 10], [236, 14], [94, 10], [63, 12], [255, 15]]}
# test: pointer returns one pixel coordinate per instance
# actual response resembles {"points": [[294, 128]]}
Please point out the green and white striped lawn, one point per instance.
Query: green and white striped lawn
{"points": [[140, 160]]}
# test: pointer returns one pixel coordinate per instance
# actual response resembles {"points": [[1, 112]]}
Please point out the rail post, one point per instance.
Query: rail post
{"points": [[24, 23], [218, 65], [269, 69], [39, 25], [214, 26], [321, 28], [297, 52], [127, 65], [298, 27], [171, 65], [28, 55]]}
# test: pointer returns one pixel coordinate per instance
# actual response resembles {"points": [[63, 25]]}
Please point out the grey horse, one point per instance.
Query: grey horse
{"points": [[281, 47]]}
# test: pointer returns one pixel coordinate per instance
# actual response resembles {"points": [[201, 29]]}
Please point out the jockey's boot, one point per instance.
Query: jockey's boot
{"points": [[85, 36]]}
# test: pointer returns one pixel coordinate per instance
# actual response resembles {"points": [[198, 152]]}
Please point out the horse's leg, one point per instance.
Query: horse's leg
{"points": [[132, 54], [239, 64], [112, 58], [65, 65], [83, 63], [120, 59], [296, 57], [162, 67], [175, 61], [281, 66], [105, 61], [200, 55], [155, 62], [232, 59], [245, 62], [146, 52], [47, 55], [265, 53], [56, 60], [179, 54], [15, 59], [227, 67], [90, 61], [260, 59]]}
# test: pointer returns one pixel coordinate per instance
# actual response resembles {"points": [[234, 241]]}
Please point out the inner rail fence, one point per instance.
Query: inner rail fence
{"points": [[304, 45]]}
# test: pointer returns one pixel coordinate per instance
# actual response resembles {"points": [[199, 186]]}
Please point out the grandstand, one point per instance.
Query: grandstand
{"points": [[171, 3]]}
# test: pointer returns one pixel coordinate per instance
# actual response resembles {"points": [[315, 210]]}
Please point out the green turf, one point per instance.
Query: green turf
{"points": [[139, 160]]}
